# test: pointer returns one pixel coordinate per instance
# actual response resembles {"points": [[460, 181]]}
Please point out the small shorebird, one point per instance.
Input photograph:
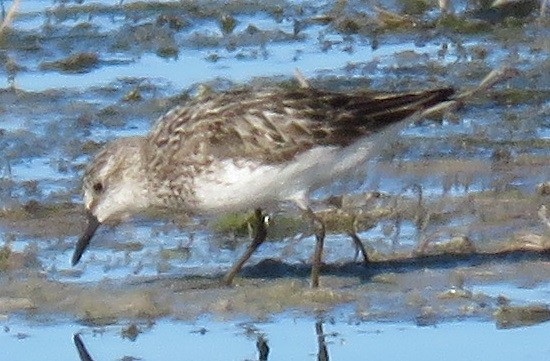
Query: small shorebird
{"points": [[246, 149]]}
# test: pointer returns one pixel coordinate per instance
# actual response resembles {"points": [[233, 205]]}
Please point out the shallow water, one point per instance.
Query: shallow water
{"points": [[288, 338], [474, 174]]}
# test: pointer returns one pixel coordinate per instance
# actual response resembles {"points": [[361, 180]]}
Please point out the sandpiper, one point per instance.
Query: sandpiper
{"points": [[246, 149]]}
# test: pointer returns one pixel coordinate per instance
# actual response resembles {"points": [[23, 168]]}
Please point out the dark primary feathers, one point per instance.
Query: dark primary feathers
{"points": [[274, 126]]}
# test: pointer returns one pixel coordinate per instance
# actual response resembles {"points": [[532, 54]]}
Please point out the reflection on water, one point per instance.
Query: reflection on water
{"points": [[289, 338], [322, 354], [261, 345], [81, 348], [263, 348]]}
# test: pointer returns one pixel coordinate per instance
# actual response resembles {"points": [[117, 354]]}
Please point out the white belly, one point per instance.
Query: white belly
{"points": [[244, 184]]}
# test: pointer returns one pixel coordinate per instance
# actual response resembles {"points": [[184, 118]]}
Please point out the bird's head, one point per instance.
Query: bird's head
{"points": [[114, 186]]}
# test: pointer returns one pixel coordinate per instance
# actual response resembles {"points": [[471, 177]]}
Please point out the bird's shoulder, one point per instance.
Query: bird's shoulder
{"points": [[276, 124], [269, 124]]}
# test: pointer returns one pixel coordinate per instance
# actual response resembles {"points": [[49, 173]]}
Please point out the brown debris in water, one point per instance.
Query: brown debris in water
{"points": [[13, 260], [79, 63], [520, 316]]}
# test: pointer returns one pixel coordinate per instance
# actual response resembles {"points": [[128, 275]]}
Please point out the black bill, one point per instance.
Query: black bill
{"points": [[84, 240]]}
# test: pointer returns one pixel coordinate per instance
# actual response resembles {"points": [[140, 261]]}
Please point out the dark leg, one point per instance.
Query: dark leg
{"points": [[358, 244], [259, 238], [319, 227]]}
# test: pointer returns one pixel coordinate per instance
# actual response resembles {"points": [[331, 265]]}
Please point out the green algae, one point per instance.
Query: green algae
{"points": [[5, 253], [227, 23], [463, 25]]}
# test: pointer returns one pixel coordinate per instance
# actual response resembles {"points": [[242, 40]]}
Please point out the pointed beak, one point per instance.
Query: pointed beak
{"points": [[84, 240]]}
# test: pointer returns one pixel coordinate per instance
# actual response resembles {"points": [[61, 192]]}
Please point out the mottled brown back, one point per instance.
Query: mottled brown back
{"points": [[273, 126]]}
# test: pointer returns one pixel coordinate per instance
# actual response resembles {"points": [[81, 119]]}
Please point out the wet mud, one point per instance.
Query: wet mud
{"points": [[453, 213]]}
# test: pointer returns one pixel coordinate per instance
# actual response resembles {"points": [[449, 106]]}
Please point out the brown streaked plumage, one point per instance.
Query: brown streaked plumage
{"points": [[275, 126], [245, 149]]}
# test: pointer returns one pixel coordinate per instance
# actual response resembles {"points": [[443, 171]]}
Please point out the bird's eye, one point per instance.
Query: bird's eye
{"points": [[97, 187]]}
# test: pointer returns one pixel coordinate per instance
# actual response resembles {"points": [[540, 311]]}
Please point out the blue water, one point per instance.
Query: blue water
{"points": [[44, 147], [288, 337]]}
